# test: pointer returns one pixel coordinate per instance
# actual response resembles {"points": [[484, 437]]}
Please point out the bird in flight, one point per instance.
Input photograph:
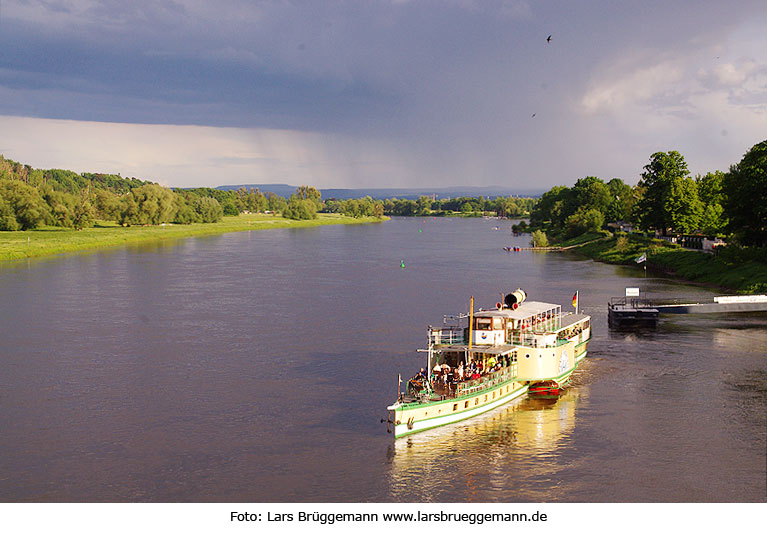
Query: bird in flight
{"points": [[548, 39]]}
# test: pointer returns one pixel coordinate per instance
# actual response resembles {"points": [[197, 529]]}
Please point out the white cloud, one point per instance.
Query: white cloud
{"points": [[636, 87], [728, 75], [709, 101], [711, 128]]}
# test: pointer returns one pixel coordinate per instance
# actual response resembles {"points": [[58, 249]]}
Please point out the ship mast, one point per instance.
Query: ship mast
{"points": [[471, 326]]}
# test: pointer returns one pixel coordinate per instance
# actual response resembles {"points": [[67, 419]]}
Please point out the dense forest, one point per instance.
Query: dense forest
{"points": [[667, 200]]}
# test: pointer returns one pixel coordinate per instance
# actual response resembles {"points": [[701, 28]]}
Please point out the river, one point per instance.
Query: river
{"points": [[256, 366]]}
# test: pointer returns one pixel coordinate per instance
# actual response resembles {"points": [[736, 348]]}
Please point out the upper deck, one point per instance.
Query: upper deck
{"points": [[532, 323]]}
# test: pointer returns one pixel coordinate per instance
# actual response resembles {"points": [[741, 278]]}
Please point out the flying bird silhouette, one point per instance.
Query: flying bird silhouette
{"points": [[548, 39]]}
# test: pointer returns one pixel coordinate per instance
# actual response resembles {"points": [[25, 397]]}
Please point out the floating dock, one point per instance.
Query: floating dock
{"points": [[633, 310], [621, 311]]}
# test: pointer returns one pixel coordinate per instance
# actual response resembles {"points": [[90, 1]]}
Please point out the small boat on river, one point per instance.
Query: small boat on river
{"points": [[478, 361]]}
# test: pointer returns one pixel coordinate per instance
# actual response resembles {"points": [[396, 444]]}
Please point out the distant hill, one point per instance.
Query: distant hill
{"points": [[489, 192]]}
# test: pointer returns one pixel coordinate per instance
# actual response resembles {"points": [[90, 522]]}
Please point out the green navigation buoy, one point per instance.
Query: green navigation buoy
{"points": [[402, 264]]}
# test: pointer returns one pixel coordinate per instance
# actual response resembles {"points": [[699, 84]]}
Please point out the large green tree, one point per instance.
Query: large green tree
{"points": [[550, 212], [669, 199], [405, 207], [209, 209], [589, 193], [185, 212], [363, 207], [310, 193], [83, 214], [711, 194], [584, 220], [276, 203], [21, 206], [7, 215], [300, 208], [745, 187], [148, 205], [510, 206], [424, 205], [683, 207], [622, 200], [62, 208], [106, 205]]}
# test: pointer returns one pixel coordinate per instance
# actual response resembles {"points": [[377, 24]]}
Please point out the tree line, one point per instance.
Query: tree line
{"points": [[666, 200], [428, 206], [30, 198], [501, 206]]}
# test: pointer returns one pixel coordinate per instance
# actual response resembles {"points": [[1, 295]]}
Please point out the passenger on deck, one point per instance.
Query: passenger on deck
{"points": [[435, 377]]}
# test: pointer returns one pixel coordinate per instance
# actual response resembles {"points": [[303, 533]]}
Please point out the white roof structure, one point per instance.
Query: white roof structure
{"points": [[525, 310]]}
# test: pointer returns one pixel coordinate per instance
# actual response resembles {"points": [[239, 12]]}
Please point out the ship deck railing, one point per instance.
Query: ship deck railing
{"points": [[467, 387], [447, 336], [631, 302], [532, 339]]}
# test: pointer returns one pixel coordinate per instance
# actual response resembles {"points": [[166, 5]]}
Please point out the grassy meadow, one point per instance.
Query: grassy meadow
{"points": [[742, 271], [55, 240]]}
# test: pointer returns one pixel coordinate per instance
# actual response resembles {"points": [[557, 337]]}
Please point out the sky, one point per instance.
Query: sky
{"points": [[386, 94]]}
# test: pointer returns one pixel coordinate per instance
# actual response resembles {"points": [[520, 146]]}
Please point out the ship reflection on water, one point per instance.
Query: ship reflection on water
{"points": [[510, 454]]}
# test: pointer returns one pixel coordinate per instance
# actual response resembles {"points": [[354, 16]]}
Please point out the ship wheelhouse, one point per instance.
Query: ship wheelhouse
{"points": [[516, 326]]}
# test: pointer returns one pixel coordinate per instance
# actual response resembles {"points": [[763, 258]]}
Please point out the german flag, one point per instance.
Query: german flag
{"points": [[575, 300]]}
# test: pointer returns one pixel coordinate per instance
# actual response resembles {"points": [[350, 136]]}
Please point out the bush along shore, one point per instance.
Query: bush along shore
{"points": [[740, 270], [45, 241]]}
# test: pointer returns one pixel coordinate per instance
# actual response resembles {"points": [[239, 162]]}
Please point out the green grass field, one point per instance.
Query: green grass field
{"points": [[737, 272], [54, 240]]}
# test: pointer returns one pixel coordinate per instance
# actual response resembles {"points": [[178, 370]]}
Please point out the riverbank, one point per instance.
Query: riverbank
{"points": [[55, 240], [733, 270]]}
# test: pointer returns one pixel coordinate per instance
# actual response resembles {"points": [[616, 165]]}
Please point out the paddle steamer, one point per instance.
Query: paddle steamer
{"points": [[478, 361]]}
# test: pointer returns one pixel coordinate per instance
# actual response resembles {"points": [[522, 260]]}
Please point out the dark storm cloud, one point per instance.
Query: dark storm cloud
{"points": [[197, 87], [336, 66], [446, 89]]}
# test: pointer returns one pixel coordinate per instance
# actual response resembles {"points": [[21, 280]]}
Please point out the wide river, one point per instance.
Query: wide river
{"points": [[256, 366]]}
